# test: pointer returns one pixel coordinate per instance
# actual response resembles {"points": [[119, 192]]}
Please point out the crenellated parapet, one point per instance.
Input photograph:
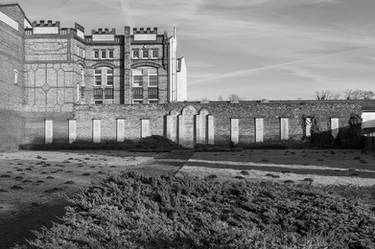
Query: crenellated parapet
{"points": [[44, 23], [147, 30], [104, 31]]}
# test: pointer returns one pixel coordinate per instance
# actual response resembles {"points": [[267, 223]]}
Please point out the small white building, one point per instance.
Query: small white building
{"points": [[181, 80]]}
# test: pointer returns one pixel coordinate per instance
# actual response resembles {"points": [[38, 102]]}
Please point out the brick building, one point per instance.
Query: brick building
{"points": [[61, 85]]}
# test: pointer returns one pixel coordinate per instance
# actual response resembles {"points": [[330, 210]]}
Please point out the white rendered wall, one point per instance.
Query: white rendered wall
{"points": [[182, 81], [173, 67]]}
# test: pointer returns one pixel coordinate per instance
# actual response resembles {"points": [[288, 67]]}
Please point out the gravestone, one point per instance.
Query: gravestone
{"points": [[96, 130], [145, 128], [186, 136], [308, 126], [201, 127], [284, 128], [211, 129], [335, 127], [72, 129], [259, 130], [120, 130], [48, 131], [234, 130], [171, 129]]}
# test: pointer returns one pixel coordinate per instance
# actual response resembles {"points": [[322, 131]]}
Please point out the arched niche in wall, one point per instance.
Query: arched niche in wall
{"points": [[186, 126], [171, 125], [201, 127]]}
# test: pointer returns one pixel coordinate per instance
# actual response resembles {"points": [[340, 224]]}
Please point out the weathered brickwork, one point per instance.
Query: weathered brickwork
{"points": [[11, 78], [50, 75], [245, 112]]}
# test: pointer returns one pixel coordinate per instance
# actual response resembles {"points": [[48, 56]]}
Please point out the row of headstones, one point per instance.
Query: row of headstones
{"points": [[284, 129], [186, 130], [96, 130]]}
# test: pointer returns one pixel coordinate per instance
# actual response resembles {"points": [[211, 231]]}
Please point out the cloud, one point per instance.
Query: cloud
{"points": [[255, 48]]}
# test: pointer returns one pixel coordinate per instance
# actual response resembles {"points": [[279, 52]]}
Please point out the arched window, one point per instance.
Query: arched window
{"points": [[103, 76], [103, 82], [145, 77]]}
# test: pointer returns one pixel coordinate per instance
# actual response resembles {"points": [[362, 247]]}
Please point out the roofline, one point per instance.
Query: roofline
{"points": [[19, 6]]}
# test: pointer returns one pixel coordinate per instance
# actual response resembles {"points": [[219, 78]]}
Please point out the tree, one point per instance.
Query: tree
{"points": [[220, 98], [351, 94], [233, 98], [326, 95]]}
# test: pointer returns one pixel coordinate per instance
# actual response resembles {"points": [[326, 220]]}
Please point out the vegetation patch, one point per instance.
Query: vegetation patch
{"points": [[137, 211], [152, 143]]}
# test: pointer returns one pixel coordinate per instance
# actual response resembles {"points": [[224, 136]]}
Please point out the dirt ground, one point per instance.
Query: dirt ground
{"points": [[33, 183], [318, 167]]}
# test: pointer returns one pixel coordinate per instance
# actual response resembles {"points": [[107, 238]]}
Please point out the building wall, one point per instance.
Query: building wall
{"points": [[11, 59], [245, 112]]}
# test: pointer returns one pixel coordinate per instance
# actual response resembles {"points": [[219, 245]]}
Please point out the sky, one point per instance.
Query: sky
{"points": [[257, 49]]}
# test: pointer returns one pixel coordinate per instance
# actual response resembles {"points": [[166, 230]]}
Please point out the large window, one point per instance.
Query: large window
{"points": [[137, 78], [109, 76], [98, 77], [145, 76], [103, 76], [103, 84], [152, 77]]}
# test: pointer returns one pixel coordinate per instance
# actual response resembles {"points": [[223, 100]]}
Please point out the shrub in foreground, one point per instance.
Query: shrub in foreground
{"points": [[136, 211]]}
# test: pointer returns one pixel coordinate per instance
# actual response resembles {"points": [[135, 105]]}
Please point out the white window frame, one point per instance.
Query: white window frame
{"points": [[107, 74], [82, 77], [97, 74], [152, 53], [153, 74], [133, 50], [94, 51], [148, 51], [109, 53], [15, 75], [105, 53], [137, 72]]}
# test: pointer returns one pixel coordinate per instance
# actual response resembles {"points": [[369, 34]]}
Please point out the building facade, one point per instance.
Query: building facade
{"points": [[62, 85]]}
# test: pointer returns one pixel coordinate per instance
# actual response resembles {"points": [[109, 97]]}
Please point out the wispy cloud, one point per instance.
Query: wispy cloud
{"points": [[248, 47]]}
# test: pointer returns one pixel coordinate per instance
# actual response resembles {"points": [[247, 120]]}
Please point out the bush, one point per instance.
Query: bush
{"points": [[153, 143], [135, 211]]}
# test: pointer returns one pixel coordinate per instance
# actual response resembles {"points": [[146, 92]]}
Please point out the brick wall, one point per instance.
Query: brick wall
{"points": [[222, 112], [11, 93]]}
